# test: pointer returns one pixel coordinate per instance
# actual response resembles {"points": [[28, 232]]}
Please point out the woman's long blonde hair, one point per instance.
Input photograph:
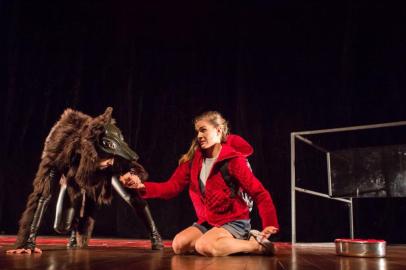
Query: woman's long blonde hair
{"points": [[214, 118]]}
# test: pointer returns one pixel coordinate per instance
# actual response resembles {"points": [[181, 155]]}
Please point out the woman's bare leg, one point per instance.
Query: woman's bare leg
{"points": [[184, 242], [220, 242]]}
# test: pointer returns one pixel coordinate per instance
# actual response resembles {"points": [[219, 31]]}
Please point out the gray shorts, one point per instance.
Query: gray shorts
{"points": [[239, 229]]}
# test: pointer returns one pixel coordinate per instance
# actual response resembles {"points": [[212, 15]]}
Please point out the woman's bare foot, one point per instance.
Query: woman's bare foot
{"points": [[265, 247]]}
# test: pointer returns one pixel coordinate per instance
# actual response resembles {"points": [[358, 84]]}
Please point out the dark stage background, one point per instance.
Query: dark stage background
{"points": [[271, 67]]}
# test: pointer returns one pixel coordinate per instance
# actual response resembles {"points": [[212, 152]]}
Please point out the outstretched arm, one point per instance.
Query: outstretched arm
{"points": [[164, 190], [34, 212]]}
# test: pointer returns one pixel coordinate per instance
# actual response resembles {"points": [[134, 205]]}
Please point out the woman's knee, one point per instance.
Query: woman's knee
{"points": [[180, 244]]}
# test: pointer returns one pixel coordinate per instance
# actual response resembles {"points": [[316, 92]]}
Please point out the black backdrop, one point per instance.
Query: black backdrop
{"points": [[271, 67]]}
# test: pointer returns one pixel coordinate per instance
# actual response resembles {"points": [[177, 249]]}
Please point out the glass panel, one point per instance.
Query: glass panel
{"points": [[369, 172]]}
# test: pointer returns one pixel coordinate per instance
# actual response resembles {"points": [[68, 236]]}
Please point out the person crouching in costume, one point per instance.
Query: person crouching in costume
{"points": [[84, 157]]}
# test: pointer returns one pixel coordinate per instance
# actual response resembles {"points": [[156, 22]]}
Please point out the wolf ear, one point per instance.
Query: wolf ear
{"points": [[104, 118], [95, 127], [107, 113], [97, 124]]}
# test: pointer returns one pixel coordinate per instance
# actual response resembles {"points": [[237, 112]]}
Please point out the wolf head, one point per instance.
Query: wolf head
{"points": [[100, 138], [106, 137]]}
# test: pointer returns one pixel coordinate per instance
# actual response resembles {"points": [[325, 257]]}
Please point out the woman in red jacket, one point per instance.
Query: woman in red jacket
{"points": [[223, 223]]}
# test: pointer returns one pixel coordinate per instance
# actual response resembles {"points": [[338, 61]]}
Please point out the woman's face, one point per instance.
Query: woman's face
{"points": [[105, 163], [207, 134]]}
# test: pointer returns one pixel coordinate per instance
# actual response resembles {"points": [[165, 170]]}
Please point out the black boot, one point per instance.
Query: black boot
{"points": [[141, 207], [72, 240], [145, 214]]}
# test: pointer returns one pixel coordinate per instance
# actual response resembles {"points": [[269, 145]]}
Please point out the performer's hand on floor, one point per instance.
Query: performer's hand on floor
{"points": [[23, 251], [131, 181]]}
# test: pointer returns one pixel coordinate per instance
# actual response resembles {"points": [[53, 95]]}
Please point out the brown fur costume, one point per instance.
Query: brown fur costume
{"points": [[70, 150]]}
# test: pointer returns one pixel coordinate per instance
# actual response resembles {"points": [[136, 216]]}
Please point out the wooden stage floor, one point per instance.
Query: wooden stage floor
{"points": [[125, 254]]}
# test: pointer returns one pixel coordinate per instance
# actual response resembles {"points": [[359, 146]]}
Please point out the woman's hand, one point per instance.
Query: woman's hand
{"points": [[131, 180], [24, 251], [268, 231]]}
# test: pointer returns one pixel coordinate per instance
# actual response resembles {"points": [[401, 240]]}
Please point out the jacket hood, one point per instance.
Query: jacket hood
{"points": [[239, 144], [235, 146]]}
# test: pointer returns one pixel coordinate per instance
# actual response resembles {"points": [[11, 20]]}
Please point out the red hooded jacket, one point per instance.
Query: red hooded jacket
{"points": [[215, 206]]}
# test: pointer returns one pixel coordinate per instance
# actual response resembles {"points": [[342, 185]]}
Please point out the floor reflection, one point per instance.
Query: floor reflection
{"points": [[240, 262], [347, 263]]}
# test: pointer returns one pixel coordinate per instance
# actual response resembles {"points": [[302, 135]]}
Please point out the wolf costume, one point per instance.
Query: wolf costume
{"points": [[69, 160]]}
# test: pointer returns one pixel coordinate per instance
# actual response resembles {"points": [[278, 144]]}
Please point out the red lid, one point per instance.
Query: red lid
{"points": [[359, 240]]}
